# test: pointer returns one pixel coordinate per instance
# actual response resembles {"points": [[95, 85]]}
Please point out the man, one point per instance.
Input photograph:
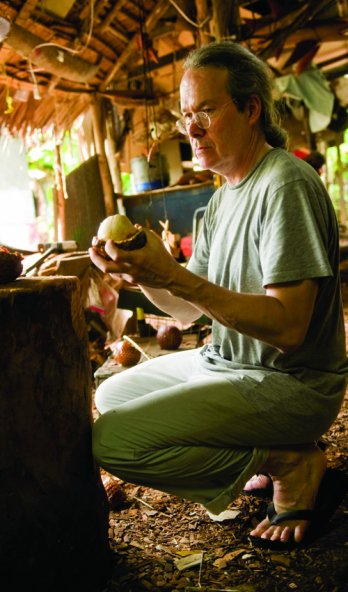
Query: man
{"points": [[201, 423], [316, 160]]}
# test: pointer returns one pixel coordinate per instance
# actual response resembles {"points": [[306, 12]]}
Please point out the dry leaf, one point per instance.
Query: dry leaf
{"points": [[136, 544], [222, 562], [189, 561], [282, 559], [226, 515]]}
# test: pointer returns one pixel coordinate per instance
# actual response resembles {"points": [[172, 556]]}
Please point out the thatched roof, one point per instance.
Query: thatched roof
{"points": [[60, 54]]}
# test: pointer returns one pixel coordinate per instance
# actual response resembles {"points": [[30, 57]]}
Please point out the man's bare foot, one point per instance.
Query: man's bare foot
{"points": [[258, 482], [296, 475]]}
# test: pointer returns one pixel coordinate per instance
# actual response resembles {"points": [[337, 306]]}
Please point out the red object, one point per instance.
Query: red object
{"points": [[169, 337], [125, 354], [186, 246], [301, 153]]}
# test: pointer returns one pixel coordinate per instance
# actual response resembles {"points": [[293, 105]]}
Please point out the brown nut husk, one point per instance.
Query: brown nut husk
{"points": [[137, 241]]}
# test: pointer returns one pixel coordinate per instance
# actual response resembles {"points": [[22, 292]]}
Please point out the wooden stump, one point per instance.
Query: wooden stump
{"points": [[53, 508]]}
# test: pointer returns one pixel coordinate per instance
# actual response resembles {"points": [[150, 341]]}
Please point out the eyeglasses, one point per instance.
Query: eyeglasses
{"points": [[201, 118]]}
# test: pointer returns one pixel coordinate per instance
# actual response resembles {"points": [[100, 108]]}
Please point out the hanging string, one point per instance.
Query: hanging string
{"points": [[181, 12], [150, 112], [145, 65]]}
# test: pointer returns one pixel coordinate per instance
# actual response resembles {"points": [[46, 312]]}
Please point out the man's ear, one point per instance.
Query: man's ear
{"points": [[254, 108]]}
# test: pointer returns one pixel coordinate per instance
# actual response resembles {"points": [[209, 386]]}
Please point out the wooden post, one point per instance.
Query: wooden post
{"points": [[54, 511], [60, 193], [225, 14], [55, 213], [102, 159], [113, 158], [340, 181]]}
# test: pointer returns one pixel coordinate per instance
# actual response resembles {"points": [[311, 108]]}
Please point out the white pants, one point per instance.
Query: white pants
{"points": [[171, 424]]}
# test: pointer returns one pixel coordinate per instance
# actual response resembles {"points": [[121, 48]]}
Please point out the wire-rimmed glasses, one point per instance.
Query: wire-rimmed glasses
{"points": [[201, 119]]}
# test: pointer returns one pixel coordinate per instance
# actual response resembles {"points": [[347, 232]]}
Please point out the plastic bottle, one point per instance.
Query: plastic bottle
{"points": [[142, 326]]}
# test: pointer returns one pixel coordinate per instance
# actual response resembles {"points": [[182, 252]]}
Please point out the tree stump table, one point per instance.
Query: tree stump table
{"points": [[53, 508]]}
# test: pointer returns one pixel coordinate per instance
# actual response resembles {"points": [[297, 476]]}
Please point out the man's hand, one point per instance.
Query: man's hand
{"points": [[152, 265]]}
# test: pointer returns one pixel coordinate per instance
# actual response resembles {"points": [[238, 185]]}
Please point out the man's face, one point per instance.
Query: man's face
{"points": [[220, 147]]}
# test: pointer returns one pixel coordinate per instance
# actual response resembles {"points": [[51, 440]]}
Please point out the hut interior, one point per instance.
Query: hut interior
{"points": [[110, 70], [117, 63]]}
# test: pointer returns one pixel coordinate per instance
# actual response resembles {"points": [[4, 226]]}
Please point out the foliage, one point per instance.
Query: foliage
{"points": [[42, 156], [337, 176], [43, 167]]}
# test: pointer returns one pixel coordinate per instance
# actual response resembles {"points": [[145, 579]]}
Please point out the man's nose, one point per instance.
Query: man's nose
{"points": [[193, 129]]}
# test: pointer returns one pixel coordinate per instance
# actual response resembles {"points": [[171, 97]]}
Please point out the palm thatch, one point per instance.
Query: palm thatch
{"points": [[59, 55]]}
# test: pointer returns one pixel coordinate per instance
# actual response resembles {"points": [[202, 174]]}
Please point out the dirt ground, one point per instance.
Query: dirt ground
{"points": [[165, 544]]}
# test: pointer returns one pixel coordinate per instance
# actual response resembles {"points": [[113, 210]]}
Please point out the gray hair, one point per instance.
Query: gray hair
{"points": [[247, 75]]}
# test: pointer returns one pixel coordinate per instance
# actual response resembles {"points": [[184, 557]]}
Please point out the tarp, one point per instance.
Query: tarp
{"points": [[313, 89]]}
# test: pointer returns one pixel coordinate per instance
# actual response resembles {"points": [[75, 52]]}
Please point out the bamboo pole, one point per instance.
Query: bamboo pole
{"points": [[104, 170], [114, 161]]}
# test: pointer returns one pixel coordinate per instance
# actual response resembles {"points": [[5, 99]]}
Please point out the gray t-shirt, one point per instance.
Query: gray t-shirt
{"points": [[277, 225]]}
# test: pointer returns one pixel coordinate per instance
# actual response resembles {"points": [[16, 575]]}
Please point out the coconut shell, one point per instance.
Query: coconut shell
{"points": [[11, 265], [125, 354], [122, 231]]}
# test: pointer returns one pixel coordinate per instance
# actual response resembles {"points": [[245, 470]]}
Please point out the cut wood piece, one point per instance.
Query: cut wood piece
{"points": [[54, 511]]}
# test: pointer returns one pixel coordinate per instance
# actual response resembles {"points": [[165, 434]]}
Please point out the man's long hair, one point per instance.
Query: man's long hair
{"points": [[247, 76]]}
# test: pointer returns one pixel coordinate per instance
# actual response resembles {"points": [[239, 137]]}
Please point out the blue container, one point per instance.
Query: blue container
{"points": [[149, 175]]}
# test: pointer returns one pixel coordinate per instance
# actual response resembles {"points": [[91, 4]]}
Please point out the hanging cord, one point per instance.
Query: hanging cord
{"points": [[145, 78], [60, 53], [155, 145], [187, 18]]}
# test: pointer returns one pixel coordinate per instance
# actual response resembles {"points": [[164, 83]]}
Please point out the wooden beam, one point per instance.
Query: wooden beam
{"points": [[281, 35], [112, 14], [116, 33], [130, 15], [159, 10], [86, 10], [123, 101], [71, 68], [165, 60], [25, 12], [125, 98]]}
